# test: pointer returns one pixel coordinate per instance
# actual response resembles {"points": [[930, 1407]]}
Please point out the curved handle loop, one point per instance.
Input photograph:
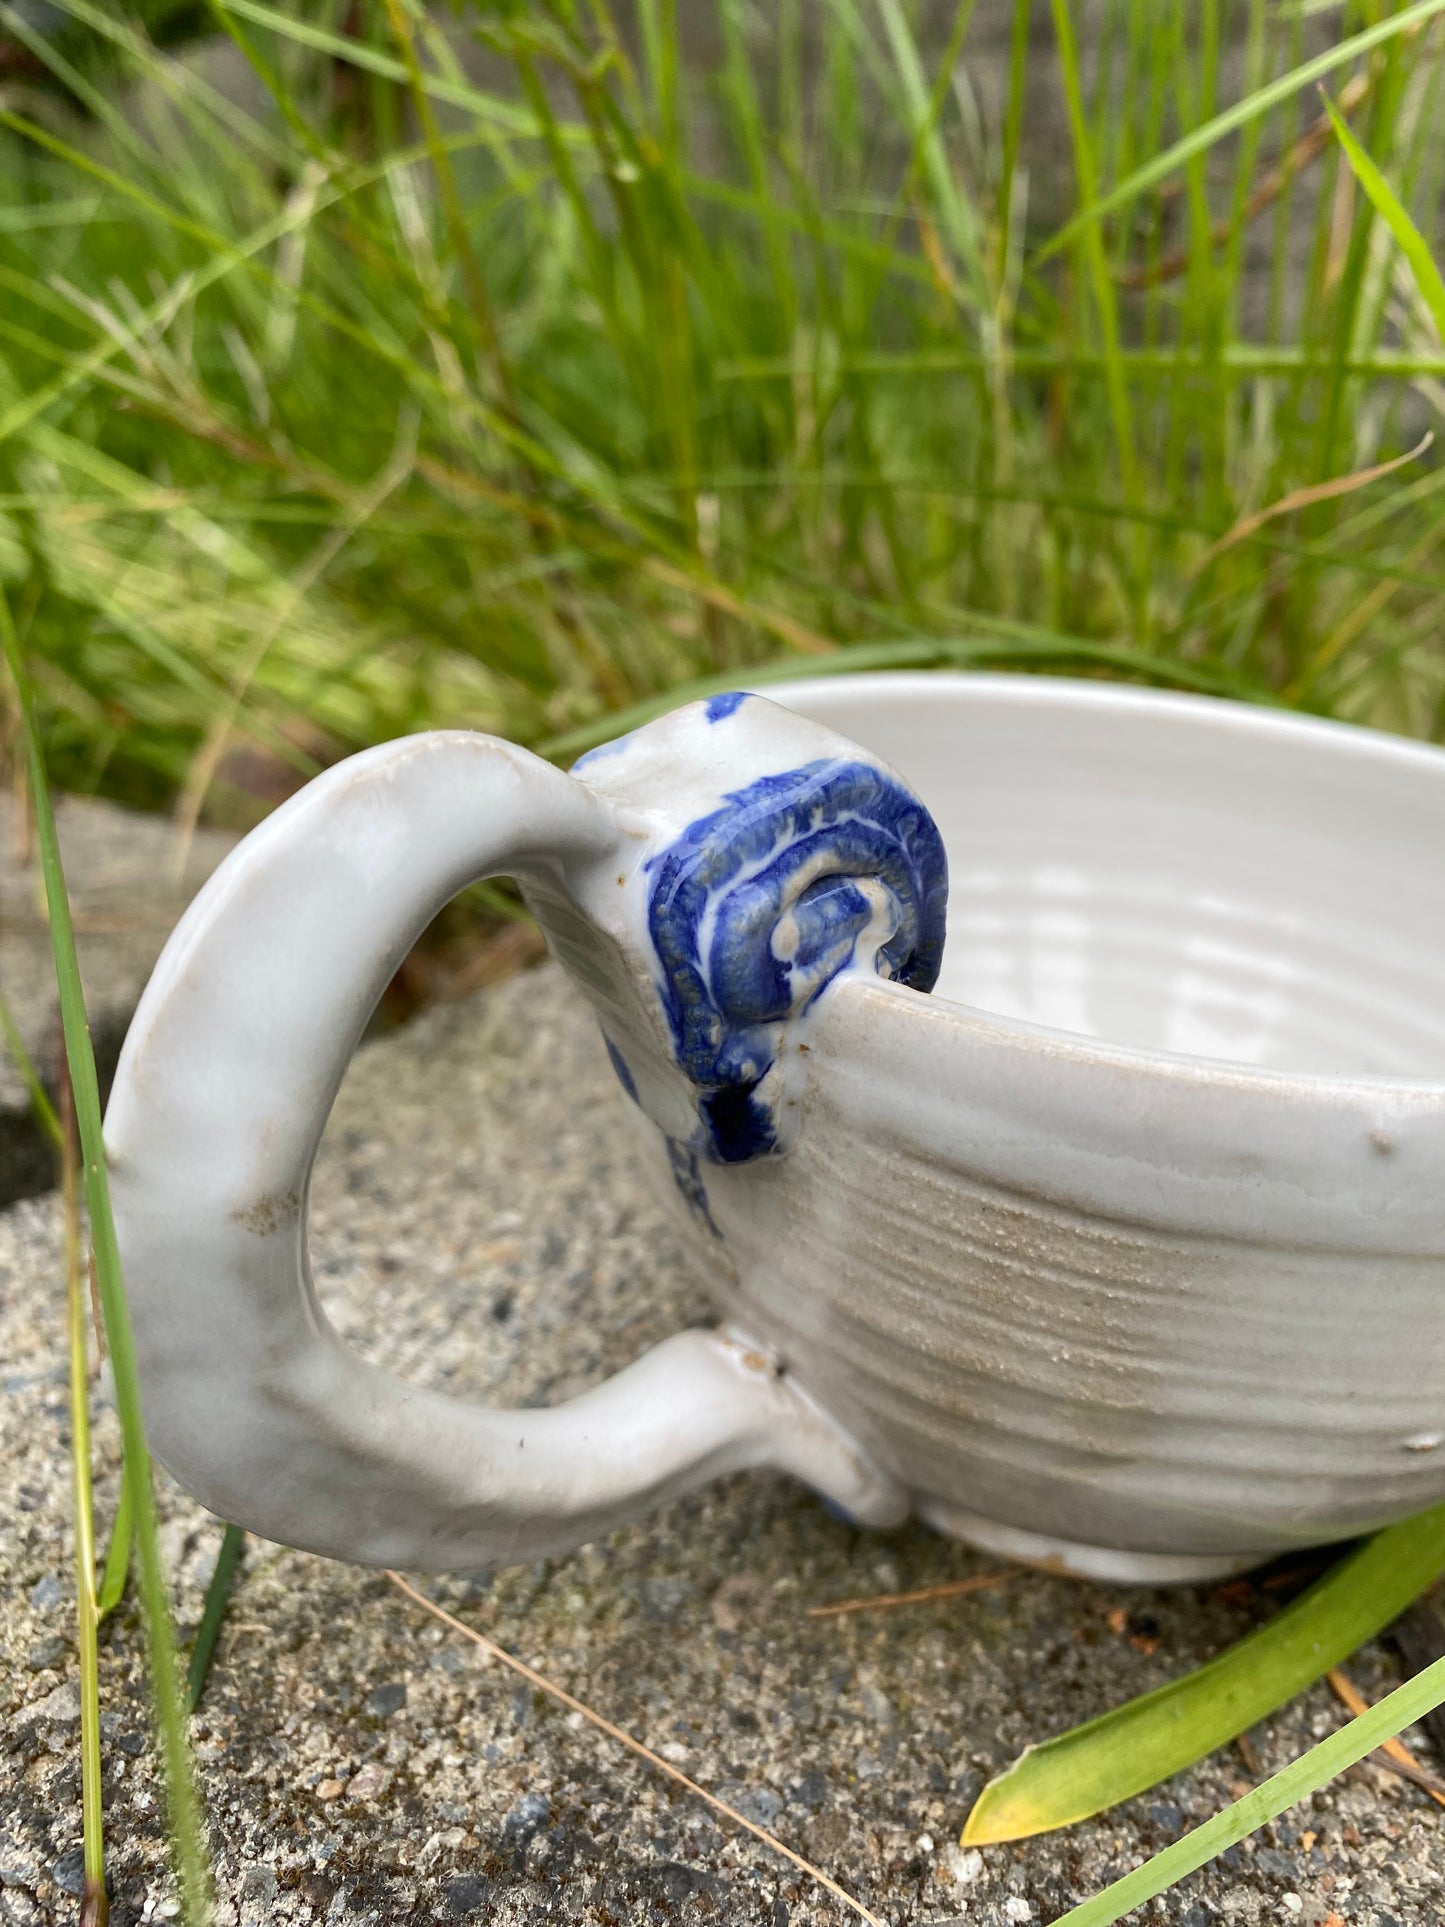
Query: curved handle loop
{"points": [[223, 1090]]}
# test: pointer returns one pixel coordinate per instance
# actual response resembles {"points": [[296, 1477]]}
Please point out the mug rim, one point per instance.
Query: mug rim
{"points": [[1229, 714]]}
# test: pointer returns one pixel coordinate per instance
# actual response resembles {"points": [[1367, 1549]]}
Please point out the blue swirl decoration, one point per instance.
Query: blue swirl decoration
{"points": [[756, 907]]}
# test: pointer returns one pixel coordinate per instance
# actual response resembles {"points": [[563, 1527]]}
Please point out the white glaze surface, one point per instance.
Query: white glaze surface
{"points": [[1172, 872]]}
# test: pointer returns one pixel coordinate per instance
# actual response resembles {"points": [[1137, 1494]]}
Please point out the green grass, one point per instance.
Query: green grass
{"points": [[86, 1174], [1265, 1802], [1135, 1746], [94, 1901], [519, 368], [394, 397]]}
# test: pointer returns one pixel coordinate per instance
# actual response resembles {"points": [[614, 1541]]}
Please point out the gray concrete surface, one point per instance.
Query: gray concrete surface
{"points": [[129, 878], [477, 1225]]}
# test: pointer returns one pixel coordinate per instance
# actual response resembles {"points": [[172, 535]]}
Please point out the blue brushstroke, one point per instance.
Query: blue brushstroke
{"points": [[619, 1064], [601, 752], [687, 1176], [719, 708], [803, 855]]}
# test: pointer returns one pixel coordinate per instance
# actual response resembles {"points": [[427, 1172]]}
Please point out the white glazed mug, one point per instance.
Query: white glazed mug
{"points": [[1123, 1250]]}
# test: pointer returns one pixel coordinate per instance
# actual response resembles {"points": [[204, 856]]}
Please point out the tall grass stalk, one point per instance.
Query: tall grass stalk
{"points": [[183, 1805], [39, 1098], [94, 1905], [213, 1612], [117, 1557]]}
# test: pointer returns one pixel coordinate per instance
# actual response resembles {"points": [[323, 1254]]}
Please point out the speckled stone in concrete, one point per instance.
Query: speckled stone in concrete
{"points": [[477, 1224]]}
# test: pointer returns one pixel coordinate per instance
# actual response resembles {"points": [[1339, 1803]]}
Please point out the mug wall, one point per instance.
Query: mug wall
{"points": [[1101, 1382]]}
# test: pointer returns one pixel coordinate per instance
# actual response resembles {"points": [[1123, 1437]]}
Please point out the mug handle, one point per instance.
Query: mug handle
{"points": [[222, 1093]]}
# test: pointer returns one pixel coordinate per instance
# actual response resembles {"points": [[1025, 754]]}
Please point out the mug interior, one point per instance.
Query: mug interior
{"points": [[1174, 873]]}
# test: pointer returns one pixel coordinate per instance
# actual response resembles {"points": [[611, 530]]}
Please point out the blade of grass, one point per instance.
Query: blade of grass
{"points": [[1095, 262], [1262, 197], [959, 214], [1249, 360], [39, 1102], [1160, 166], [483, 317], [911, 652], [1408, 238], [1012, 130], [749, 125], [1266, 1802], [1401, 1760], [117, 1556], [505, 115], [1348, 280], [183, 1802], [94, 1906], [921, 1595], [1359, 618], [1137, 1745], [218, 1593]]}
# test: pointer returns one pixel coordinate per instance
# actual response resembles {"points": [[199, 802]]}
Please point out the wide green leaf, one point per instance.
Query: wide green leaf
{"points": [[1265, 1802], [1139, 1744]]}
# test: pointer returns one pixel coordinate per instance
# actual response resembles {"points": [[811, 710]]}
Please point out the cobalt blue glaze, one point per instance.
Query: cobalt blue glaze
{"points": [[757, 907], [602, 752], [620, 1065], [682, 1159], [719, 708], [687, 1176]]}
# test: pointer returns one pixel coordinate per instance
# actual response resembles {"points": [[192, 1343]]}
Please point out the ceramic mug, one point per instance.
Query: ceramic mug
{"points": [[1110, 1234]]}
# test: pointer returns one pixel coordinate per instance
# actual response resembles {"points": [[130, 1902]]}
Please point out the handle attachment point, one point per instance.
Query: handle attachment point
{"points": [[223, 1090]]}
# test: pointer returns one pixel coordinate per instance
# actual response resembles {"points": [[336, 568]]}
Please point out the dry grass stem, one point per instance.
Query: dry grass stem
{"points": [[1310, 145], [691, 581], [516, 948], [1394, 1756], [564, 1698], [1364, 613], [203, 770], [950, 1589], [1300, 498]]}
